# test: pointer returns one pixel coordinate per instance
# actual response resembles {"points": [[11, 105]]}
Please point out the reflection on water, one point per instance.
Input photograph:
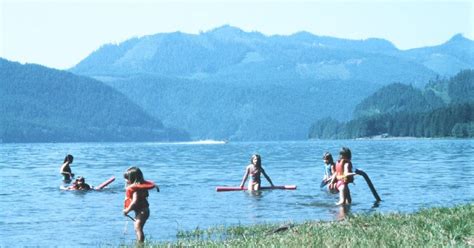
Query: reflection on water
{"points": [[344, 210], [255, 194], [407, 174]]}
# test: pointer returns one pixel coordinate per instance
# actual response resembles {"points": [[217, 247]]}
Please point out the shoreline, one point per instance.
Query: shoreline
{"points": [[433, 227], [381, 137]]}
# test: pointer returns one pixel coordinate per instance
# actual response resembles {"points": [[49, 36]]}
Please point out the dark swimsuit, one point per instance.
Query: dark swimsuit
{"points": [[256, 175], [66, 176]]}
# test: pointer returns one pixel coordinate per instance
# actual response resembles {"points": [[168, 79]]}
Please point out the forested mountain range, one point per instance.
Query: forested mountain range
{"points": [[445, 108], [398, 97], [446, 59], [38, 104], [230, 51], [236, 85]]}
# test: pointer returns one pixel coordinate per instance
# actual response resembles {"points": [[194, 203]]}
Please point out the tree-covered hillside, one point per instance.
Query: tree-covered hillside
{"points": [[236, 85], [445, 108], [395, 98], [437, 93], [243, 110], [445, 59], [228, 52], [39, 104]]}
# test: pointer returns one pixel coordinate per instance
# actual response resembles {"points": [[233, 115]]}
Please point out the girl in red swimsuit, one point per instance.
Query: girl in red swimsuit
{"points": [[254, 169]]}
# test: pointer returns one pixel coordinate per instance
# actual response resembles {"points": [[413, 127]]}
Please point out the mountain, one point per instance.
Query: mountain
{"points": [[247, 110], [227, 52], [438, 93], [38, 104], [230, 84], [395, 98], [444, 108], [446, 59]]}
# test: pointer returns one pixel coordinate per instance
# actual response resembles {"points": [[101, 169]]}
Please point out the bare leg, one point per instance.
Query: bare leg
{"points": [[342, 195], [254, 186], [140, 219], [348, 196]]}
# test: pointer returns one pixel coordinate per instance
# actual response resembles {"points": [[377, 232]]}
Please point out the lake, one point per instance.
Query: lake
{"points": [[409, 174]]}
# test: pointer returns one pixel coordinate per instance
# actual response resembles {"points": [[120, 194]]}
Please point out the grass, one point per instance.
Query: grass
{"points": [[436, 227]]}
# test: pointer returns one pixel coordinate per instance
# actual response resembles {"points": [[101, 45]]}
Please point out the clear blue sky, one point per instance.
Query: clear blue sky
{"points": [[60, 33]]}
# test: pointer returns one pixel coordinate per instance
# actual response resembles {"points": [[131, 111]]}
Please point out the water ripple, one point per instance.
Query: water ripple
{"points": [[408, 175]]}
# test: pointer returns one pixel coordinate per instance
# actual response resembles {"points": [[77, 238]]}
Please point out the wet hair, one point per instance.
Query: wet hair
{"points": [[328, 156], [69, 158], [346, 153], [134, 175], [259, 160], [80, 179]]}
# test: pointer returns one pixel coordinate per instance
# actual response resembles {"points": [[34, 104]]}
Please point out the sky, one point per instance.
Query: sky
{"points": [[60, 33]]}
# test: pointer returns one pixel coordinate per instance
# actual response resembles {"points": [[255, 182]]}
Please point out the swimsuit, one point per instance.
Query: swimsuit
{"points": [[327, 170], [66, 176], [255, 175]]}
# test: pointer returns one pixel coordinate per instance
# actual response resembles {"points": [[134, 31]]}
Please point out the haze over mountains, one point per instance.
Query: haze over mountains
{"points": [[231, 84], [227, 49], [235, 85]]}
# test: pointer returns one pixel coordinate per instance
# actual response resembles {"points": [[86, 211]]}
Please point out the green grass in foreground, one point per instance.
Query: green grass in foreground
{"points": [[437, 227]]}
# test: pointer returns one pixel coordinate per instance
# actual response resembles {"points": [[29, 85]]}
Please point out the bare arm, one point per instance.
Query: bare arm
{"points": [[61, 170], [333, 178], [65, 172], [346, 169], [245, 177], [268, 178], [132, 204], [346, 172]]}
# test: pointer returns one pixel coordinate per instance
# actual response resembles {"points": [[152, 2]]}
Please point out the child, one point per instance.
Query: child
{"points": [[254, 169], [136, 195], [65, 169], [343, 176], [80, 184], [329, 167]]}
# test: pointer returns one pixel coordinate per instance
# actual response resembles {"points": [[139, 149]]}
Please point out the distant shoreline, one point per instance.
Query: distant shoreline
{"points": [[382, 137], [386, 137]]}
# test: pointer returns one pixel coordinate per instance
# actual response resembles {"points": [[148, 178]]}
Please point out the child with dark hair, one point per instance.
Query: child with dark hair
{"points": [[136, 199], [80, 184], [329, 166], [254, 169], [343, 176], [65, 169]]}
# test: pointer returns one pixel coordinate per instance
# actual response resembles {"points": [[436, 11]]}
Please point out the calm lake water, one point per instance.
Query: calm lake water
{"points": [[408, 175]]}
